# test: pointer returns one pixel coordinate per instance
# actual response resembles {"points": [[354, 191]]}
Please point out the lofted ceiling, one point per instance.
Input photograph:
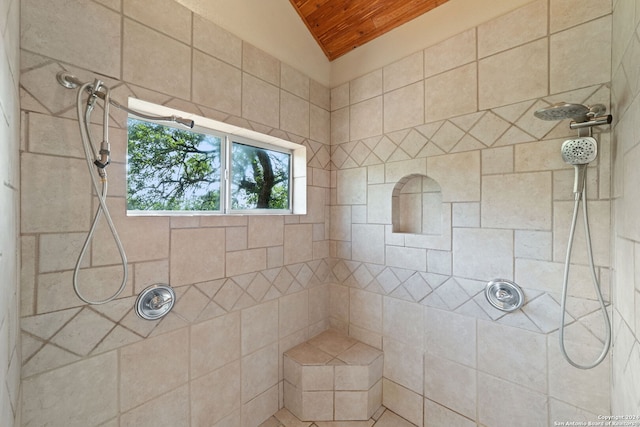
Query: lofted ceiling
{"points": [[340, 26]]}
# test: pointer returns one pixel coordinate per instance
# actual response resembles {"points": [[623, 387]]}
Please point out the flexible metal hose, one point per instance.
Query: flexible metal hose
{"points": [[101, 192], [581, 196]]}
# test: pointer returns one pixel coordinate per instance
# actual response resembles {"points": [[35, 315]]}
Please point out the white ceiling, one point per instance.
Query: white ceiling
{"points": [[275, 27]]}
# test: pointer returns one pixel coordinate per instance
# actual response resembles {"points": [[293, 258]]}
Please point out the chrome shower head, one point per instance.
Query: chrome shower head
{"points": [[563, 110], [580, 151]]}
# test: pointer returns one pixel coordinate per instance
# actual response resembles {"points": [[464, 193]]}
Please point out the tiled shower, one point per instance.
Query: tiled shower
{"points": [[251, 287]]}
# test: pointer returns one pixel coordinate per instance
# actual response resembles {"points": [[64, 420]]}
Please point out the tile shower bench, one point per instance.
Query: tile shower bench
{"points": [[332, 377]]}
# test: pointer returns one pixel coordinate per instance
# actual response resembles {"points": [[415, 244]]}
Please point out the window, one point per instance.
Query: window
{"points": [[214, 168]]}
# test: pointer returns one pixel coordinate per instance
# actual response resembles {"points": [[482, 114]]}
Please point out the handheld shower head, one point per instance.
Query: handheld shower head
{"points": [[579, 153]]}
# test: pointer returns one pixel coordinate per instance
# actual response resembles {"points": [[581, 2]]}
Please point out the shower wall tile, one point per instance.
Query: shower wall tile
{"points": [[294, 114], [451, 93], [403, 364], [150, 70], [165, 16], [529, 405], [437, 415], [565, 14], [450, 384], [71, 393], [214, 343], [404, 107], [197, 255], [368, 243], [465, 185], [519, 201], [298, 243], [471, 258], [521, 73], [567, 63], [260, 64], [364, 309], [216, 42], [521, 26], [172, 407], [365, 119], [221, 93], [451, 53], [451, 336], [258, 99], [525, 352], [352, 186], [265, 231], [259, 372], [93, 42], [294, 81], [403, 72], [143, 368], [365, 87], [216, 395], [249, 261], [402, 401], [47, 208]]}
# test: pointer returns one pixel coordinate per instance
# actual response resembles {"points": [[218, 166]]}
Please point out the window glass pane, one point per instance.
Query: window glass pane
{"points": [[259, 178], [172, 169]]}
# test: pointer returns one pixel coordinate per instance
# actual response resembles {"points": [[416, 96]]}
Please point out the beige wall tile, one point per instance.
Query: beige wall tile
{"points": [[259, 326], [319, 124], [294, 114], [259, 372], [258, 101], [566, 62], [73, 394], [530, 405], [526, 353], [166, 16], [451, 53], [248, 261], [340, 126], [409, 258], [364, 309], [215, 343], [403, 364], [404, 107], [451, 93], [197, 255], [260, 64], [265, 231], [520, 201], [340, 220], [259, 409], [365, 119], [217, 42], [54, 208], [443, 382], [367, 243], [294, 81], [451, 336], [403, 321], [379, 203], [320, 95], [403, 72], [402, 401], [91, 43], [436, 415], [222, 93], [352, 186], [365, 87], [521, 73], [172, 407], [472, 259], [464, 185], [565, 14], [150, 70], [294, 313], [140, 378], [298, 243], [518, 27], [216, 395]]}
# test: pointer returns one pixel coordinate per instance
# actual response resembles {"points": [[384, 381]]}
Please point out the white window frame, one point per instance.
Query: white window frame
{"points": [[230, 134]]}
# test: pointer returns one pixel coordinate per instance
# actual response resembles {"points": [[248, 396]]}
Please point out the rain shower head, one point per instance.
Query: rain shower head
{"points": [[563, 110]]}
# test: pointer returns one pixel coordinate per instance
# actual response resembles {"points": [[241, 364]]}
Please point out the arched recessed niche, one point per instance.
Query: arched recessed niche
{"points": [[416, 205]]}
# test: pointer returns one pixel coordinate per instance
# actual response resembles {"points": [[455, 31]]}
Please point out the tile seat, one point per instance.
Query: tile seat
{"points": [[332, 377]]}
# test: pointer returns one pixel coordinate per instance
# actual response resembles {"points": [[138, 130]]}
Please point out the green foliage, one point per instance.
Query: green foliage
{"points": [[172, 169]]}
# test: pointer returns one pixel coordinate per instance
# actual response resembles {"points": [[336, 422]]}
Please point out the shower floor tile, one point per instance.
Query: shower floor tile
{"points": [[382, 418]]}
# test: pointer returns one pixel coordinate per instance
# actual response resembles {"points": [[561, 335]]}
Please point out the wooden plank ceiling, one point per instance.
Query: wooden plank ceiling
{"points": [[340, 26]]}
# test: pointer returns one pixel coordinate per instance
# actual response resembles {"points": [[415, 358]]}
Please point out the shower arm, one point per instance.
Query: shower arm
{"points": [[71, 82]]}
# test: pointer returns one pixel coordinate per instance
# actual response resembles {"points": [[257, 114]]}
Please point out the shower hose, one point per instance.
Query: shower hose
{"points": [[581, 196], [101, 191]]}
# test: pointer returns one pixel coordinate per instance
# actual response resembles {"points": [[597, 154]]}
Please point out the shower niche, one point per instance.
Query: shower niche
{"points": [[416, 206]]}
